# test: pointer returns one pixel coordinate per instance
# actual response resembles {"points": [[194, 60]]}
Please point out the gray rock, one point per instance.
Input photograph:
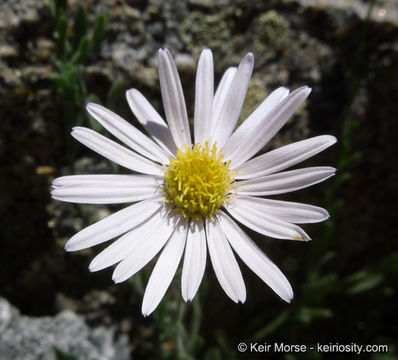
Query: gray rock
{"points": [[17, 13], [29, 338], [385, 11]]}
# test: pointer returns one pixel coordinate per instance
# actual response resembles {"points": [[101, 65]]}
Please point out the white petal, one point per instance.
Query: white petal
{"points": [[244, 147], [127, 133], [173, 99], [115, 152], [164, 270], [147, 248], [224, 263], [75, 180], [130, 241], [255, 118], [151, 120], [286, 181], [255, 259], [112, 189], [292, 212], [204, 97], [114, 225], [266, 224], [284, 157], [194, 261], [222, 92], [225, 123]]}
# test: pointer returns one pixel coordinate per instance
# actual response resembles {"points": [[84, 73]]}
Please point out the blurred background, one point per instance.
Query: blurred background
{"points": [[57, 55]]}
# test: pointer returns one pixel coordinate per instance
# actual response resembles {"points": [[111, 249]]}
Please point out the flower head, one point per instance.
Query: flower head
{"points": [[197, 182], [189, 194]]}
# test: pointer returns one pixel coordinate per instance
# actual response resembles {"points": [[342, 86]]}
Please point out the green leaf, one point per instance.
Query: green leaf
{"points": [[62, 28], [95, 125], [62, 355], [100, 28], [306, 315], [364, 281], [114, 93], [58, 8], [213, 354], [52, 7], [317, 285], [388, 264], [327, 257], [80, 25], [272, 326], [82, 51], [224, 345]]}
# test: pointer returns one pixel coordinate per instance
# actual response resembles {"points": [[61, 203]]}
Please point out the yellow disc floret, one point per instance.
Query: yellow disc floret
{"points": [[197, 182]]}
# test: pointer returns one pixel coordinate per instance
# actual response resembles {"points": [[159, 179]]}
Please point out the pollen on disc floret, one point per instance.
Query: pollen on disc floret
{"points": [[197, 182]]}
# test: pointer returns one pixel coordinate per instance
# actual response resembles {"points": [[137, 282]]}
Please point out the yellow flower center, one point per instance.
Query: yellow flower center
{"points": [[197, 182]]}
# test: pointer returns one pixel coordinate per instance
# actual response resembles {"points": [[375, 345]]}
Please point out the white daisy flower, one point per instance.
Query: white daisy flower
{"points": [[190, 194]]}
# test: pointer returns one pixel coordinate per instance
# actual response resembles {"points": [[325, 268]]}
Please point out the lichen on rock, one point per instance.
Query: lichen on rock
{"points": [[213, 31], [271, 34]]}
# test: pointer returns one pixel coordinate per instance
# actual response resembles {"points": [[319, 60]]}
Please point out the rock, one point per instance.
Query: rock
{"points": [[214, 31], [8, 52], [385, 11], [185, 63], [29, 338], [17, 13], [271, 34]]}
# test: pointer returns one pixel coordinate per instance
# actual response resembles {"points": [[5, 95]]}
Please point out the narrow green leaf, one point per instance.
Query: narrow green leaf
{"points": [[58, 8], [306, 315], [81, 52], [62, 29], [63, 355], [272, 326], [213, 354], [100, 28], [52, 7], [388, 264], [114, 93], [80, 26], [365, 283]]}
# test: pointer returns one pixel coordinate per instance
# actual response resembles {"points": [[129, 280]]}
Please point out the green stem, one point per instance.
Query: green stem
{"points": [[196, 321], [180, 329]]}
